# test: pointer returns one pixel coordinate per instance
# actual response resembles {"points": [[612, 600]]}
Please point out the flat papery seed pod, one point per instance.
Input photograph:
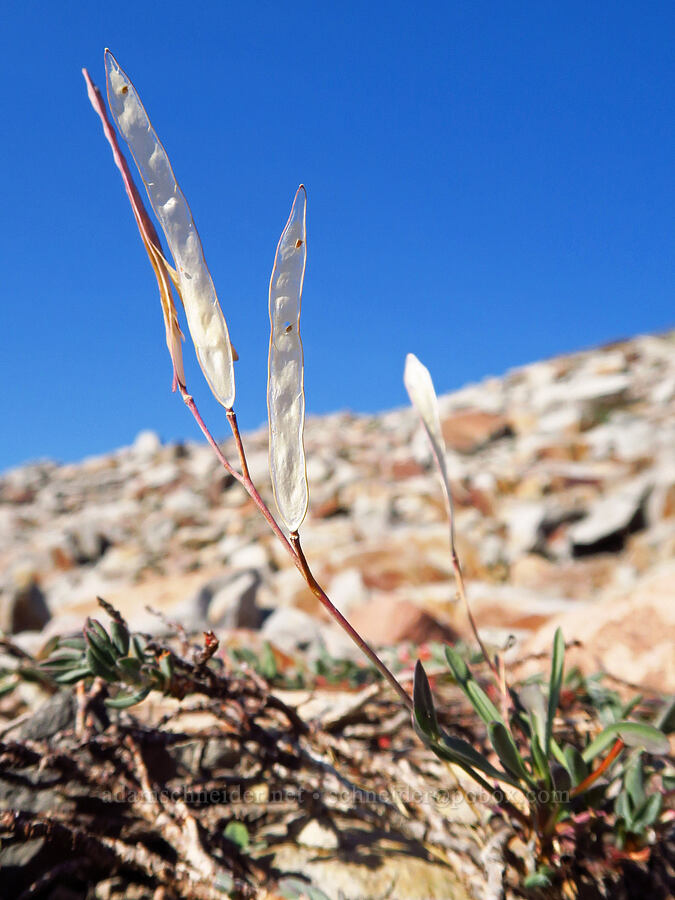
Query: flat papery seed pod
{"points": [[195, 286], [148, 235], [420, 388], [285, 383]]}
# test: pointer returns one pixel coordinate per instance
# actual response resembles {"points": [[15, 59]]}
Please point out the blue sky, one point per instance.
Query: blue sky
{"points": [[489, 184]]}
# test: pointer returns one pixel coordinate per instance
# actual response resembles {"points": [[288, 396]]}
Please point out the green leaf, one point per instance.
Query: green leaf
{"points": [[120, 637], [138, 645], [74, 675], [268, 663], [576, 765], [539, 760], [61, 662], [532, 698], [539, 879], [99, 665], [237, 832], [506, 750], [102, 645], [423, 704], [475, 693], [124, 701], [296, 889], [557, 665], [459, 668], [633, 734], [73, 643], [624, 808], [130, 667], [165, 666], [458, 751], [666, 718], [634, 782], [482, 703], [649, 812]]}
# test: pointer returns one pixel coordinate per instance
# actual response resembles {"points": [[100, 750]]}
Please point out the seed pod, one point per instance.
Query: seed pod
{"points": [[422, 395], [149, 236], [193, 279], [285, 383]]}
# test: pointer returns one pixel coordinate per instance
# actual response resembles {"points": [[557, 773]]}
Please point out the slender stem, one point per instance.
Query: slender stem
{"points": [[596, 773], [232, 419], [459, 579], [293, 546], [340, 619]]}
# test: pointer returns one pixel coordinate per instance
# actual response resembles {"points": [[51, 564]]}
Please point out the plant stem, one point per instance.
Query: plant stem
{"points": [[292, 547], [232, 419], [596, 773], [318, 592]]}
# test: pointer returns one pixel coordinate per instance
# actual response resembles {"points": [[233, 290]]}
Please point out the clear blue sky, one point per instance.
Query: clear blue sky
{"points": [[489, 184]]}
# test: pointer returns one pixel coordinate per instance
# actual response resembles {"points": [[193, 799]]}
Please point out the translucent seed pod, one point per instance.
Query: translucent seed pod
{"points": [[194, 284], [148, 235], [422, 395], [285, 383]]}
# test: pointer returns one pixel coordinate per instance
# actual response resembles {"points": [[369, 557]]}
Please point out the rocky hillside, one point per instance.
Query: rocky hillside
{"points": [[564, 482]]}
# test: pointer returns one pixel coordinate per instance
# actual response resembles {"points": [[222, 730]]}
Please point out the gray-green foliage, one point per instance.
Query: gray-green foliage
{"points": [[554, 779]]}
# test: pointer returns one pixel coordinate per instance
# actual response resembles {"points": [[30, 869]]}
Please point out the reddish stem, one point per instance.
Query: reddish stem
{"points": [[596, 773]]}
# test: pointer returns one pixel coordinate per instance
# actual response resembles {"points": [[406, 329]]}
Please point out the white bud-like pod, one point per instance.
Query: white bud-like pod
{"points": [[420, 387], [285, 383], [195, 286]]}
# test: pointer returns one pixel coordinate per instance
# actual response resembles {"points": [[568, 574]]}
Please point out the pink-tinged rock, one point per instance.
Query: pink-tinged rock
{"points": [[470, 430], [629, 634], [384, 622]]}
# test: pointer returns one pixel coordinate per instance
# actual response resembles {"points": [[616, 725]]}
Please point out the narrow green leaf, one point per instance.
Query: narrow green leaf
{"points": [[459, 667], [73, 643], [506, 750], [649, 812], [99, 665], [482, 703], [166, 667], [634, 782], [423, 703], [124, 701], [74, 675], [461, 752], [665, 720], [539, 760], [633, 734], [624, 808], [129, 666], [557, 665], [576, 765], [120, 638]]}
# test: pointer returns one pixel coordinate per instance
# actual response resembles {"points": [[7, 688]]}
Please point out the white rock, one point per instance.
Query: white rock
{"points": [[319, 836], [347, 590], [611, 514], [146, 444]]}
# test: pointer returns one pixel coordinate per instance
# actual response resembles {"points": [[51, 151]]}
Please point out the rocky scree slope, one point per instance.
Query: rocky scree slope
{"points": [[564, 483]]}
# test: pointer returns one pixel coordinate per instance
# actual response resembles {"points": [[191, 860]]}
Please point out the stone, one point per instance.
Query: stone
{"points": [[387, 622], [470, 430], [146, 444], [611, 519], [291, 630], [315, 834], [23, 605], [347, 591], [224, 601]]}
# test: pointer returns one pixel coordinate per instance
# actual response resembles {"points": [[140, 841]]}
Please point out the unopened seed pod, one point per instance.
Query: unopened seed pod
{"points": [[420, 387], [194, 284], [285, 383]]}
